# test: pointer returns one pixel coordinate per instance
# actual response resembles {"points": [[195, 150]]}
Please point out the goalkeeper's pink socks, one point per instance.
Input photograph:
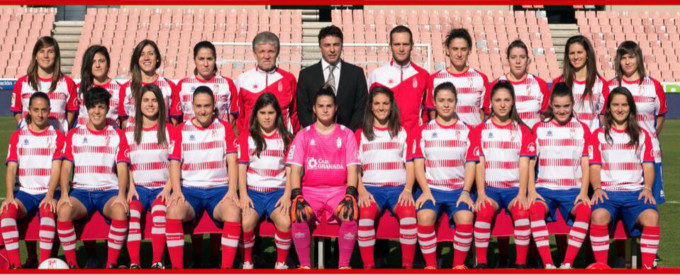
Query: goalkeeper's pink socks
{"points": [[347, 236], [302, 239]]}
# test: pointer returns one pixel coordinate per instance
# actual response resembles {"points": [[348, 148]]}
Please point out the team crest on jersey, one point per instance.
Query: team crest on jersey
{"points": [[280, 86], [311, 163], [85, 140], [25, 141], [312, 142], [549, 134], [490, 135], [434, 134], [415, 83], [391, 81], [338, 142], [192, 138], [254, 86]]}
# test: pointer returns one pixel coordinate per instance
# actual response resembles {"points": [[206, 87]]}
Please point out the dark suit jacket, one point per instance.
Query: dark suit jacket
{"points": [[351, 95]]}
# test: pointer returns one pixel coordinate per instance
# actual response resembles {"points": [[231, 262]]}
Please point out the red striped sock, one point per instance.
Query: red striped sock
{"points": [[231, 233], [174, 233], [283, 240], [10, 234], [117, 235], [67, 237], [649, 244], [134, 238], [158, 209], [47, 231], [427, 239]]}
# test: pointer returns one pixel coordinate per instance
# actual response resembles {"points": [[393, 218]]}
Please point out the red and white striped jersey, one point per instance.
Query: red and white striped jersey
{"points": [[266, 172], [409, 85], [531, 98], [502, 146], [559, 149], [113, 87], [94, 155], [62, 99], [203, 152], [445, 149], [254, 82], [34, 152], [126, 108], [223, 89], [650, 100], [621, 163], [588, 112], [471, 88], [149, 162], [383, 159], [324, 157]]}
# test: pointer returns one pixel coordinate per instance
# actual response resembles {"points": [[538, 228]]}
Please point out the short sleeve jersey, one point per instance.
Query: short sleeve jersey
{"points": [[559, 149], [203, 153], [409, 85], [94, 155], [621, 162], [471, 87], [324, 157], [267, 171], [588, 111], [650, 100], [531, 98], [34, 152], [254, 82], [223, 89], [445, 150], [113, 87], [502, 146], [383, 159], [149, 162], [62, 99], [126, 108]]}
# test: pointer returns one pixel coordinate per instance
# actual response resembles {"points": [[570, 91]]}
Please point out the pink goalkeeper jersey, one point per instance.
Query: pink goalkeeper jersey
{"points": [[383, 159], [223, 89], [621, 163], [471, 87], [126, 108], [94, 155], [650, 100], [324, 158], [559, 149], [203, 153], [113, 87], [149, 162], [266, 172], [502, 146], [34, 152], [588, 111], [62, 99], [445, 149], [531, 98]]}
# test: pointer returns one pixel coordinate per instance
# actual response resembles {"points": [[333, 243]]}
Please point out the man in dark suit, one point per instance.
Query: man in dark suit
{"points": [[347, 80]]}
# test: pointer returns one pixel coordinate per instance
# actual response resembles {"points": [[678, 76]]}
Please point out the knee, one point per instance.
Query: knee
{"points": [[537, 210], [649, 218], [368, 212], [463, 217], [486, 212], [10, 212], [118, 212], [64, 212], [582, 212], [283, 224], [600, 216], [426, 217], [177, 211], [231, 212], [518, 212], [249, 221]]}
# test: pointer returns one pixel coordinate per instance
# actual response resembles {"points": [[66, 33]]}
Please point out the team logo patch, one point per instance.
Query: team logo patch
{"points": [[434, 134], [549, 134], [280, 86], [415, 83], [85, 140], [338, 142], [490, 135], [25, 141], [312, 142], [254, 86], [192, 138], [391, 81], [311, 163]]}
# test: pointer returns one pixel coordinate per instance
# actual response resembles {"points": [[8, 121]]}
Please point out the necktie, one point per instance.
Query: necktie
{"points": [[330, 80]]}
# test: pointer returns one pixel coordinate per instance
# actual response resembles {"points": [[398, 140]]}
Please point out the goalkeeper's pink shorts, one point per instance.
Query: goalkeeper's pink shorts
{"points": [[324, 200]]}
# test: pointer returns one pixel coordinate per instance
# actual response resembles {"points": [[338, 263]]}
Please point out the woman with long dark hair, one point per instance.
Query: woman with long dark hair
{"points": [[44, 75], [33, 168], [531, 92], [323, 160], [95, 73], [562, 181], [622, 177], [144, 63], [503, 145], [579, 72], [149, 144], [650, 101], [204, 177], [205, 73], [264, 183], [445, 170], [386, 175]]}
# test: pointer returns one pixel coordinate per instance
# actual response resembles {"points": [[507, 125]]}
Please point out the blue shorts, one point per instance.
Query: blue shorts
{"points": [[32, 202], [502, 196], [94, 200], [204, 199], [446, 201], [265, 202], [559, 199], [147, 196], [624, 205], [657, 189], [386, 197]]}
